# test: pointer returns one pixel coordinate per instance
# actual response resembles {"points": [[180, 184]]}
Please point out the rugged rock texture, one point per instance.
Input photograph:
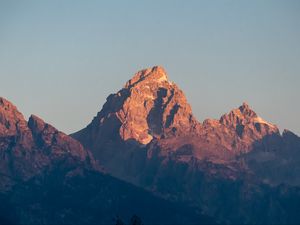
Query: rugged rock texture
{"points": [[237, 169], [146, 134], [149, 106], [156, 107], [12, 121], [47, 177], [239, 131], [27, 149]]}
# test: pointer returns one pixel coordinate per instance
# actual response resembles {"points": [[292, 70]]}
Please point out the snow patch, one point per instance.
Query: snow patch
{"points": [[261, 120]]}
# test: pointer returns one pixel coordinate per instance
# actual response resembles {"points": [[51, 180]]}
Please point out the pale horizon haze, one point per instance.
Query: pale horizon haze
{"points": [[60, 60]]}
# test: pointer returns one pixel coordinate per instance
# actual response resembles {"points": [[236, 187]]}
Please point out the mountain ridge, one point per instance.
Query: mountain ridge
{"points": [[146, 134], [47, 177], [150, 106], [236, 169]]}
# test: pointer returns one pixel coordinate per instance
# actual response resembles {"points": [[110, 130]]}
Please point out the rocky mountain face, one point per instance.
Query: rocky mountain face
{"points": [[47, 177], [278, 161], [148, 107], [151, 110], [146, 134], [29, 148], [239, 130]]}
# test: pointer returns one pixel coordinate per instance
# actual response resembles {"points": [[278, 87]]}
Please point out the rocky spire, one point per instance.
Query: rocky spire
{"points": [[247, 123], [149, 106], [156, 74], [247, 111]]}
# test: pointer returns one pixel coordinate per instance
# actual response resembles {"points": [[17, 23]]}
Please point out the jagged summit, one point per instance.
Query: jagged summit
{"points": [[4, 101], [27, 148], [149, 106], [156, 74], [148, 109], [246, 110], [247, 123], [239, 130], [10, 118], [8, 108], [35, 122], [243, 115]]}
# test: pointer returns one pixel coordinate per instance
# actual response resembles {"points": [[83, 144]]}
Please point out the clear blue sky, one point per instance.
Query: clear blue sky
{"points": [[61, 59]]}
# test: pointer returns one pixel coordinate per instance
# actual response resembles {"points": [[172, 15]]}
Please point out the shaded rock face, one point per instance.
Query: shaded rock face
{"points": [[89, 197], [29, 148], [277, 161]]}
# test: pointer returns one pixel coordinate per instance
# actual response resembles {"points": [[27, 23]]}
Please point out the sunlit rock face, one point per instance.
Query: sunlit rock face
{"points": [[11, 120], [247, 123], [155, 107], [239, 131], [148, 106]]}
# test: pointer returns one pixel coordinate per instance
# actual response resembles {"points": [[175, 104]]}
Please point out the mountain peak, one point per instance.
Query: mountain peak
{"points": [[156, 74], [148, 107], [241, 115], [246, 110], [244, 106], [247, 123], [10, 118], [3, 101], [35, 123], [155, 107], [7, 106]]}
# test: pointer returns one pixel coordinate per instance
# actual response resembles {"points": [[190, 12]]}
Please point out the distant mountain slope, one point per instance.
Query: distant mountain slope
{"points": [[90, 198]]}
